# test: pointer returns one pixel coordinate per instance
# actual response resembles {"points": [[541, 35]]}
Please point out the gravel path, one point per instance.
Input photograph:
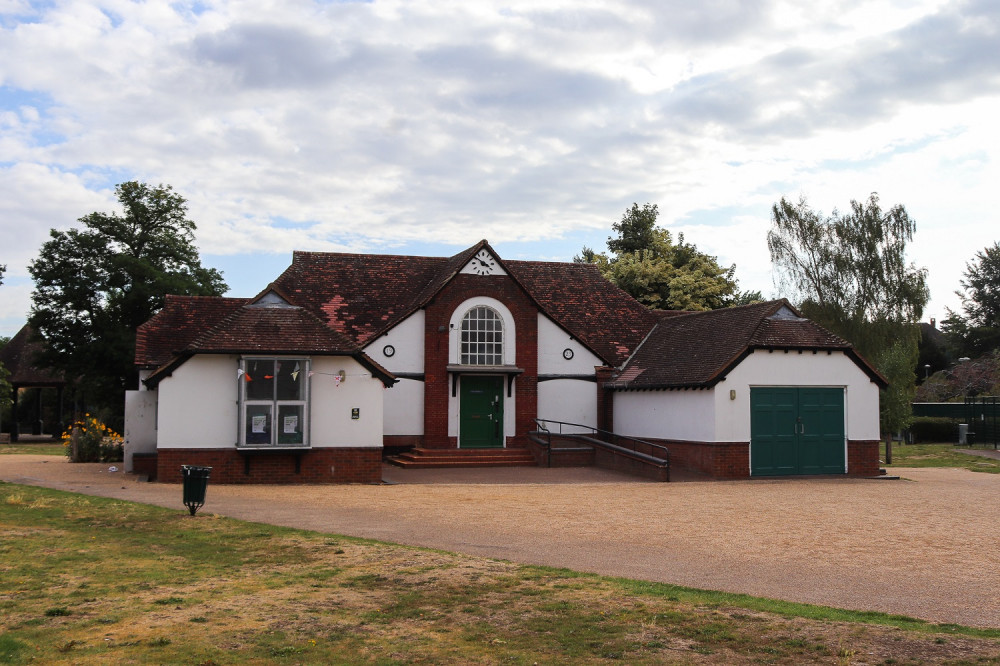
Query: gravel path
{"points": [[926, 546]]}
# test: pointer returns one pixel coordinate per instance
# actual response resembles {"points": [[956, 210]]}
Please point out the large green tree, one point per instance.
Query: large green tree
{"points": [[978, 331], [850, 274], [94, 285], [646, 262]]}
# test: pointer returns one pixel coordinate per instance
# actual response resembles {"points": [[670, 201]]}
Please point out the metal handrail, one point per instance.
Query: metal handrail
{"points": [[606, 439]]}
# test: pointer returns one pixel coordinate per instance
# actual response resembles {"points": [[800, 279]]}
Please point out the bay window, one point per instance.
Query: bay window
{"points": [[274, 402]]}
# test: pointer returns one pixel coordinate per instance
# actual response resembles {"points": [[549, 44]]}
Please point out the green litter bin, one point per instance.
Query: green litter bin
{"points": [[195, 482]]}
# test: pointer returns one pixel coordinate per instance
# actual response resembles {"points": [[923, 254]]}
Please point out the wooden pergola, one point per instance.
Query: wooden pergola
{"points": [[18, 357]]}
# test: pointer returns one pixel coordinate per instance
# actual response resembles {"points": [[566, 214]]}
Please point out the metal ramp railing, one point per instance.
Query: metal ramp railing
{"points": [[624, 453]]}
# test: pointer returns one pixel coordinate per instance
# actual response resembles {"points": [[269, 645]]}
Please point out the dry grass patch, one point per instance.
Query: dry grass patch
{"points": [[101, 581]]}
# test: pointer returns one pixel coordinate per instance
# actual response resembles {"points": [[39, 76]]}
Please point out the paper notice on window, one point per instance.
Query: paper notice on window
{"points": [[291, 424], [258, 423]]}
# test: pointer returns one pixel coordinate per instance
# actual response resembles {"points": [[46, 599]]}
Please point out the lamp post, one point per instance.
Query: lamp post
{"points": [[927, 371]]}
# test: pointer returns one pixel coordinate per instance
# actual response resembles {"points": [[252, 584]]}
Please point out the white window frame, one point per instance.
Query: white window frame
{"points": [[275, 404], [489, 349]]}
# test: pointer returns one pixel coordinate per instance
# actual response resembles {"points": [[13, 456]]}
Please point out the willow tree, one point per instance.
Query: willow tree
{"points": [[850, 273]]}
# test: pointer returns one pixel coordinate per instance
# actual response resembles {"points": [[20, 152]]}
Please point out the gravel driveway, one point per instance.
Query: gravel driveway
{"points": [[926, 546]]}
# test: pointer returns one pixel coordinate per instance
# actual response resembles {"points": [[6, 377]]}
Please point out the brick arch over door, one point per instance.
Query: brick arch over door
{"points": [[443, 320]]}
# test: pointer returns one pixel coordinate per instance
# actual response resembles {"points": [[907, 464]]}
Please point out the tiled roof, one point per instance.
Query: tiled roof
{"points": [[271, 330], [18, 357], [363, 295], [697, 350], [173, 328], [332, 303], [359, 295], [236, 326], [592, 309]]}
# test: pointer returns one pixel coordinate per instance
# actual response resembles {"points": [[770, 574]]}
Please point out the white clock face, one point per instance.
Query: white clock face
{"points": [[483, 263]]}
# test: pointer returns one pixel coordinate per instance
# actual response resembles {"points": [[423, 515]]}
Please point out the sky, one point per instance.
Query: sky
{"points": [[414, 127]]}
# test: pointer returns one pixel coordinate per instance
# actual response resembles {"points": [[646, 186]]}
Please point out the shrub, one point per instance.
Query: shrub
{"points": [[926, 429], [89, 440]]}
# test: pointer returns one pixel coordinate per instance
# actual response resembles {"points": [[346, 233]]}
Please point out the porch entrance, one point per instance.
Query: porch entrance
{"points": [[481, 412]]}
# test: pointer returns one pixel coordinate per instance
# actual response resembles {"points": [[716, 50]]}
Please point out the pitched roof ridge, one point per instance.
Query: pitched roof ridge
{"points": [[447, 273]]}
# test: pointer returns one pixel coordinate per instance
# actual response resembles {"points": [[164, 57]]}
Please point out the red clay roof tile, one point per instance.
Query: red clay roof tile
{"points": [[697, 350]]}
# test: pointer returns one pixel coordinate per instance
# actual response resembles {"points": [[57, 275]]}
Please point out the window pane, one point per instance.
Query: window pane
{"points": [[290, 424], [258, 425], [482, 337], [259, 379], [290, 380]]}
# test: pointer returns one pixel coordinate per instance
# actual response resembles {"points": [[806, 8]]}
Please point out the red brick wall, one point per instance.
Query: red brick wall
{"points": [[720, 460], [731, 460], [862, 457], [605, 399], [325, 465], [437, 383], [144, 463]]}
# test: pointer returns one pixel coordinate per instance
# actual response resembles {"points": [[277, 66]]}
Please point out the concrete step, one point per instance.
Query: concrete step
{"points": [[463, 458]]}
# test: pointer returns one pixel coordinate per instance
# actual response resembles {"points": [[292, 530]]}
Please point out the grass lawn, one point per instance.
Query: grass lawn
{"points": [[90, 580], [40, 449], [940, 455]]}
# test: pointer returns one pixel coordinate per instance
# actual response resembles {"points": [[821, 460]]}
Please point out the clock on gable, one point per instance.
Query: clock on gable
{"points": [[484, 264]]}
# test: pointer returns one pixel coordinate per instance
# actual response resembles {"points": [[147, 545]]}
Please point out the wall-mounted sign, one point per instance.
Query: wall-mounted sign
{"points": [[567, 353], [355, 413], [388, 350]]}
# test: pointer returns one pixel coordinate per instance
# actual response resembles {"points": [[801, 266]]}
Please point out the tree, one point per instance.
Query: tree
{"points": [[978, 331], [95, 285], [637, 230], [6, 391], [850, 274], [658, 272]]}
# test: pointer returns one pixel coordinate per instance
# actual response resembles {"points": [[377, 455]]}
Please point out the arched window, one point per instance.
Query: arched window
{"points": [[482, 337]]}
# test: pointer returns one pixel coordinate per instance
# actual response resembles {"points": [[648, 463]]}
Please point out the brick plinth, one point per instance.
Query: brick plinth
{"points": [[720, 460], [320, 465], [731, 460], [862, 457], [144, 464]]}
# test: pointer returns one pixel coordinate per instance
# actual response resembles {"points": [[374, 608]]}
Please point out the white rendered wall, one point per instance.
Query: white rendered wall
{"points": [[198, 404], [404, 408], [331, 404], [140, 424], [778, 368], [407, 339], [404, 402], [509, 358], [711, 416], [569, 401], [684, 415], [552, 341]]}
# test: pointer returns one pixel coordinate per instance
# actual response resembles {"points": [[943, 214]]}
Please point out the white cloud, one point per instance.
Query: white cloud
{"points": [[359, 126]]}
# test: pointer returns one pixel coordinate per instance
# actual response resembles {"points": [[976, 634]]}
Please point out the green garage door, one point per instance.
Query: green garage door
{"points": [[796, 431]]}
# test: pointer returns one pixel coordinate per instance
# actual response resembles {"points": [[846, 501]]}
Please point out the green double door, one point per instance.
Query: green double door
{"points": [[796, 430], [481, 420]]}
